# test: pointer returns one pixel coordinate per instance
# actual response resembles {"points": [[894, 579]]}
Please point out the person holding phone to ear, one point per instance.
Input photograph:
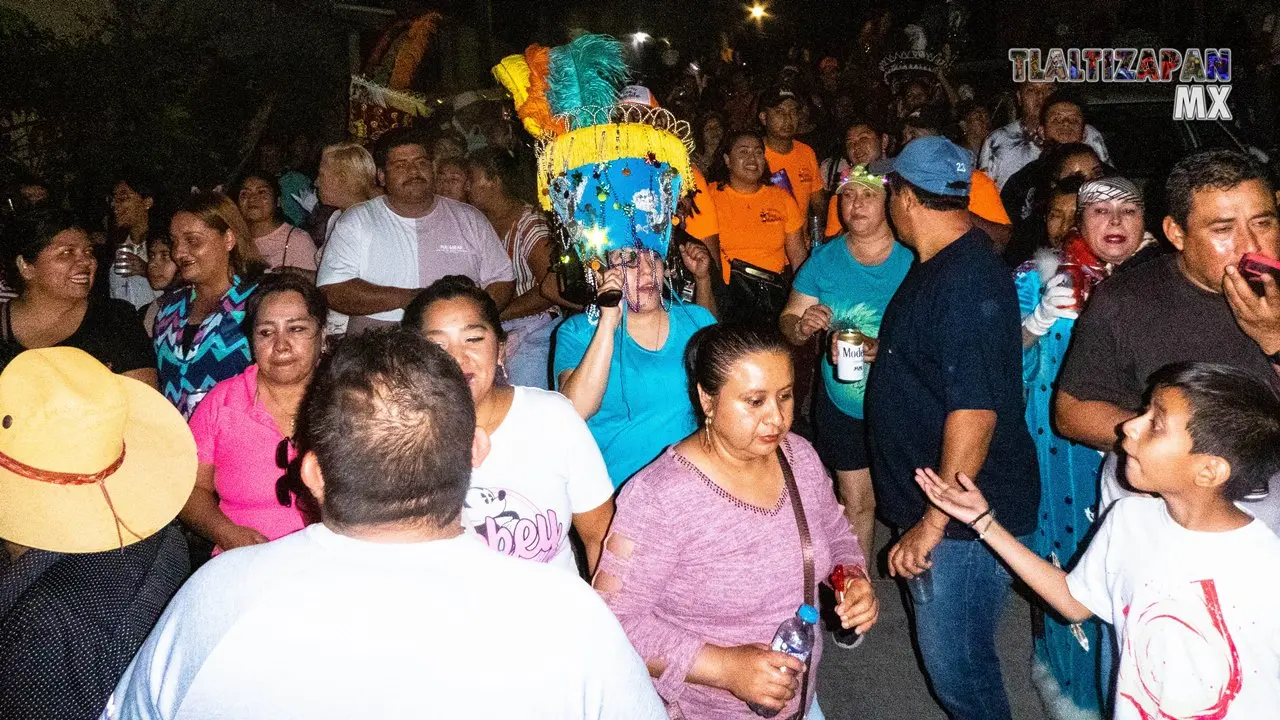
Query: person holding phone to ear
{"points": [[624, 373]]}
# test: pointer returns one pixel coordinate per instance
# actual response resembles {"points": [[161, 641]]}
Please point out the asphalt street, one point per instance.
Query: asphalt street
{"points": [[882, 679]]}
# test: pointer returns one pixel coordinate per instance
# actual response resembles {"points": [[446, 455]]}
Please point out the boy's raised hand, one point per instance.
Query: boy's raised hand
{"points": [[963, 503]]}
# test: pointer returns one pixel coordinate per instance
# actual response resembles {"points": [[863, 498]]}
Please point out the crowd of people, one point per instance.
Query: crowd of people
{"points": [[382, 405]]}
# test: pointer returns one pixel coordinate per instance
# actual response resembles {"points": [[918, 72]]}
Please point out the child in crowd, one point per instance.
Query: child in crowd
{"points": [[1190, 581]]}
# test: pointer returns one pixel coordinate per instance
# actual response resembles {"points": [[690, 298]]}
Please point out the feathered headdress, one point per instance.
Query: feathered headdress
{"points": [[612, 172]]}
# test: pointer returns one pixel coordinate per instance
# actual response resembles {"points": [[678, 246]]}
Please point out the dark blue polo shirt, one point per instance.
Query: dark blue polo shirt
{"points": [[951, 339]]}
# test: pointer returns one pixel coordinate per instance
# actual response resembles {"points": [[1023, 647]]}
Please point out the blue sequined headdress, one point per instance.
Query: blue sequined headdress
{"points": [[613, 172]]}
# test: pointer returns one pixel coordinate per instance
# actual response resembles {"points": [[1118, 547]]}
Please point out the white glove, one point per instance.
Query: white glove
{"points": [[1058, 301], [307, 199]]}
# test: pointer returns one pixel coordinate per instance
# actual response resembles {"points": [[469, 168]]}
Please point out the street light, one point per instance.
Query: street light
{"points": [[757, 12]]}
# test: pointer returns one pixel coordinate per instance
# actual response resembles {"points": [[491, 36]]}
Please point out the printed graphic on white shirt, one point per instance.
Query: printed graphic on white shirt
{"points": [[1180, 662], [512, 525], [1196, 614]]}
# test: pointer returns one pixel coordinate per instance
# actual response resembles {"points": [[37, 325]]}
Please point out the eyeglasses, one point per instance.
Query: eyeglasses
{"points": [[284, 490], [629, 257]]}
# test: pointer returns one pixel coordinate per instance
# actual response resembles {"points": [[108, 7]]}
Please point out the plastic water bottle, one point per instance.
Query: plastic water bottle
{"points": [[795, 638]]}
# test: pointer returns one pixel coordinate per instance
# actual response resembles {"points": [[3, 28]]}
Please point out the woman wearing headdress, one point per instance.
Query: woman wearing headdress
{"points": [[613, 175], [622, 362], [625, 373], [1070, 669]]}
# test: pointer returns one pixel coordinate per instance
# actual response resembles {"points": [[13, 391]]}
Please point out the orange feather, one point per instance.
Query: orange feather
{"points": [[414, 47], [537, 107]]}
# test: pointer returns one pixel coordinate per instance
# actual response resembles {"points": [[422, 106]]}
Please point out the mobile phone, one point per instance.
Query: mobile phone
{"points": [[1254, 265]]}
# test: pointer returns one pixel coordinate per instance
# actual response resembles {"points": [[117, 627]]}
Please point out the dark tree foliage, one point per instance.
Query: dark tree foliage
{"points": [[176, 88]]}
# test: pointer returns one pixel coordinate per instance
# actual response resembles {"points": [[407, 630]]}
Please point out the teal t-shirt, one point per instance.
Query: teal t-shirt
{"points": [[646, 404], [857, 295]]}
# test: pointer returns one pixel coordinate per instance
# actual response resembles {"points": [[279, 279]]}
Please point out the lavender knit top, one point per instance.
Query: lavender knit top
{"points": [[708, 568]]}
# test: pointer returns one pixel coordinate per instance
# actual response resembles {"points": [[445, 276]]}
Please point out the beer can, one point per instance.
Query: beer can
{"points": [[851, 359], [121, 264]]}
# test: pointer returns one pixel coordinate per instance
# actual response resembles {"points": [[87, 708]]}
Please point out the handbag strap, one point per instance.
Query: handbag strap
{"points": [[806, 549], [284, 256]]}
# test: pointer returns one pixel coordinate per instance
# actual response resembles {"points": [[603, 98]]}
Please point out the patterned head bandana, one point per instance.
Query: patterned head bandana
{"points": [[1112, 189]]}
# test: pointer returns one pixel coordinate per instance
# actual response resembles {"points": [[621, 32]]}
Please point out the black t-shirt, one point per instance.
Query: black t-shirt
{"points": [[111, 332], [1016, 195], [1142, 319], [951, 340]]}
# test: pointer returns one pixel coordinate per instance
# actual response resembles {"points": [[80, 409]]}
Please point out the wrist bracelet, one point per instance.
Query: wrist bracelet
{"points": [[982, 535], [973, 523]]}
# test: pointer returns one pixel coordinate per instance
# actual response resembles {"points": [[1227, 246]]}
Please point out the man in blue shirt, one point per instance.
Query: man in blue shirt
{"points": [[946, 392]]}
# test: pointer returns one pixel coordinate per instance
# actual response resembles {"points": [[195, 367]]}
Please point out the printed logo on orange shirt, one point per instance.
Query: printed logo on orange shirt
{"points": [[771, 216]]}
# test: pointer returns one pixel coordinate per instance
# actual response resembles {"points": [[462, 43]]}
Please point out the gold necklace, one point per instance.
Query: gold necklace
{"points": [[270, 399]]}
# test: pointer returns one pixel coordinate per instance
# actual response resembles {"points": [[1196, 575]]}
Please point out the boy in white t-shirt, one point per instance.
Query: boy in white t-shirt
{"points": [[1190, 581]]}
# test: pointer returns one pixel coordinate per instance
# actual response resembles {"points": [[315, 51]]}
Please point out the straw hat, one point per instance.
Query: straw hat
{"points": [[89, 460]]}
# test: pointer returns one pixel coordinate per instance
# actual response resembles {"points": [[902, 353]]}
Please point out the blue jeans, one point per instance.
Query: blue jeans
{"points": [[956, 629]]}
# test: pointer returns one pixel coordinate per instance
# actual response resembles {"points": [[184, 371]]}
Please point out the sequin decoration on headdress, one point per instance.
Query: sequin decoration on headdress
{"points": [[1111, 189], [612, 172]]}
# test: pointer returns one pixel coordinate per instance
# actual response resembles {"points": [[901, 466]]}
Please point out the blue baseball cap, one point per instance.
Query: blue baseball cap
{"points": [[935, 164]]}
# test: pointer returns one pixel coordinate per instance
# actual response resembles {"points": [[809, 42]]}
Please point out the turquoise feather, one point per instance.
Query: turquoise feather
{"points": [[586, 73]]}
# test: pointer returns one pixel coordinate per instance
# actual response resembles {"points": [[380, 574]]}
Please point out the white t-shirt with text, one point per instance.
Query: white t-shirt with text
{"points": [[320, 626], [371, 242], [1196, 614], [543, 466]]}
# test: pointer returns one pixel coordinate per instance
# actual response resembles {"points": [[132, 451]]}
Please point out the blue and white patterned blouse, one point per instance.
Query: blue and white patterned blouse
{"points": [[219, 350]]}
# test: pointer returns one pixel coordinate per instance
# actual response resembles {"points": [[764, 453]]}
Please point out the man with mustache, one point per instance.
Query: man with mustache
{"points": [[1191, 305], [384, 251]]}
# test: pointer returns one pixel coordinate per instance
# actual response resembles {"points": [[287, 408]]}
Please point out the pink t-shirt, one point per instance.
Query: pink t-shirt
{"points": [[238, 437], [287, 246]]}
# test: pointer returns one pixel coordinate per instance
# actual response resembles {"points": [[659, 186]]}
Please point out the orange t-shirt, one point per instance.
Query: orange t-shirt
{"points": [[754, 227], [703, 223], [801, 165], [834, 226]]}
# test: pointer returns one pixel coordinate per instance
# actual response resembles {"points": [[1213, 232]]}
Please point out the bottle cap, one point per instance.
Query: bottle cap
{"points": [[808, 613]]}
